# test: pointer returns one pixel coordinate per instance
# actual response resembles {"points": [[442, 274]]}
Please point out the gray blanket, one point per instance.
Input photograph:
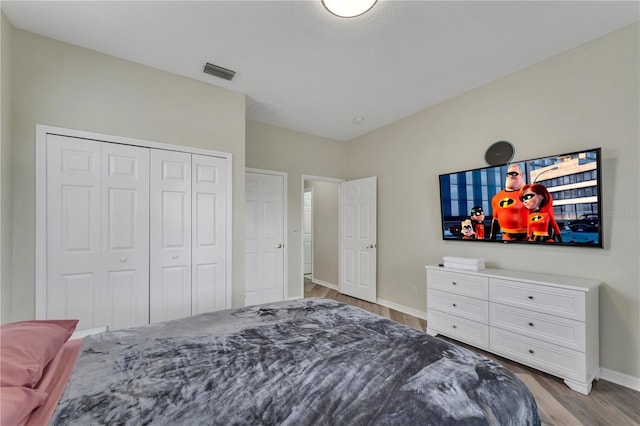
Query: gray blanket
{"points": [[311, 361]]}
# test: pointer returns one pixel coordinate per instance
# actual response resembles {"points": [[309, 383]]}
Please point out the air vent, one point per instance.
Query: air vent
{"points": [[219, 71]]}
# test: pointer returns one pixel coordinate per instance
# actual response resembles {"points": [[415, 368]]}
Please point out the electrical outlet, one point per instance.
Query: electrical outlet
{"points": [[415, 291]]}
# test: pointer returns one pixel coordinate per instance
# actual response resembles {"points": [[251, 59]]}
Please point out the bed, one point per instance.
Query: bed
{"points": [[310, 361]]}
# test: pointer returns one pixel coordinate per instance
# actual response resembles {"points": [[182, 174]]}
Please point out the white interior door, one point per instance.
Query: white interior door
{"points": [[170, 235], [264, 238], [358, 235], [307, 239], [125, 235], [209, 234], [73, 235]]}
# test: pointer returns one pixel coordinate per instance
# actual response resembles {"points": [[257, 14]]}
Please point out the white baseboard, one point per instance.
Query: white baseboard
{"points": [[621, 379], [402, 308], [325, 284]]}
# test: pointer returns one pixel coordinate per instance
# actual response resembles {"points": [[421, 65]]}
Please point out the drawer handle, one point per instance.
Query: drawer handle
{"points": [[531, 351], [530, 297], [454, 326], [454, 283], [530, 324], [454, 305]]}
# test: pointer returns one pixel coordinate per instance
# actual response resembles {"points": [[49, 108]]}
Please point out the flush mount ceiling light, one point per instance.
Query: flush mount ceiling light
{"points": [[348, 8]]}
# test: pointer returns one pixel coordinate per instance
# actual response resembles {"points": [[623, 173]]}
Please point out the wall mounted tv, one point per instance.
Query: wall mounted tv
{"points": [[555, 200]]}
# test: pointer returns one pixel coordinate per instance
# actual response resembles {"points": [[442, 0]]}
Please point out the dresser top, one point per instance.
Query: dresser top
{"points": [[533, 277]]}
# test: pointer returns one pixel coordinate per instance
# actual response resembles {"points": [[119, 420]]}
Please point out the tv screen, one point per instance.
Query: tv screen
{"points": [[550, 200]]}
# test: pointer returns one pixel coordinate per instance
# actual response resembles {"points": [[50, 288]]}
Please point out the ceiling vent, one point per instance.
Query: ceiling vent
{"points": [[219, 71]]}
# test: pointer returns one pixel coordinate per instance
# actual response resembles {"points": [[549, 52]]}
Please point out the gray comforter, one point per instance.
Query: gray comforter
{"points": [[311, 361]]}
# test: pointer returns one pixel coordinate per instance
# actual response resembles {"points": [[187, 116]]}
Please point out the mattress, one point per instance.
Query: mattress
{"points": [[310, 361]]}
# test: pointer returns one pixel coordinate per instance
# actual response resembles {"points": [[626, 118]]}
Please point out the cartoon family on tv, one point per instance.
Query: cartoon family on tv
{"points": [[520, 213]]}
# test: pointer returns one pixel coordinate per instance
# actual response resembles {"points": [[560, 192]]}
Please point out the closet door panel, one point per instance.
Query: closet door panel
{"points": [[170, 235], [209, 210], [125, 235], [73, 235]]}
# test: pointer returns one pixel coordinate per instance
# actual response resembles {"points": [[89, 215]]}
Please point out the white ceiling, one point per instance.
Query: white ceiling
{"points": [[305, 69]]}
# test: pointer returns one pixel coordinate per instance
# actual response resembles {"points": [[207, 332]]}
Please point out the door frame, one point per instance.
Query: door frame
{"points": [[303, 231], [41, 199], [304, 177], [285, 224]]}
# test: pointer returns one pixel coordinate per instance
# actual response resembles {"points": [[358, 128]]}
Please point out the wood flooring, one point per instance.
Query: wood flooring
{"points": [[607, 404]]}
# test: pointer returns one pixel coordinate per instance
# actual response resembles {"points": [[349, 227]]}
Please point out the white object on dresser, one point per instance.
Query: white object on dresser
{"points": [[547, 322]]}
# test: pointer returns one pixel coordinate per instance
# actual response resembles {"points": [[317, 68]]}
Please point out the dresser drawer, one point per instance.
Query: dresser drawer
{"points": [[540, 298], [467, 331], [459, 283], [553, 359], [458, 305], [561, 331]]}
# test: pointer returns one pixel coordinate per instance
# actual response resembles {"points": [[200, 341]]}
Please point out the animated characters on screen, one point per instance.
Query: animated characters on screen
{"points": [[523, 212], [541, 223], [509, 214], [477, 217], [467, 230]]}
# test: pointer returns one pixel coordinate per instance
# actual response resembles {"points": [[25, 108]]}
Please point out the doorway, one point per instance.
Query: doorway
{"points": [[320, 216]]}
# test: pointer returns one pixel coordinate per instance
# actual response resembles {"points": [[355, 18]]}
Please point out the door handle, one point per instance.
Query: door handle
{"points": [[279, 245], [371, 246]]}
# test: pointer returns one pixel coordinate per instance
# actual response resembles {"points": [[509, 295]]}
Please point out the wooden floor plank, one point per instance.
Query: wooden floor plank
{"points": [[552, 412]]}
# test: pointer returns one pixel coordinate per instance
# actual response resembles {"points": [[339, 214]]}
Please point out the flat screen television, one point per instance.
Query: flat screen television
{"points": [[555, 200]]}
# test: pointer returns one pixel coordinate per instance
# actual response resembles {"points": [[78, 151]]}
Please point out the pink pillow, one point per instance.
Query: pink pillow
{"points": [[27, 347], [16, 404]]}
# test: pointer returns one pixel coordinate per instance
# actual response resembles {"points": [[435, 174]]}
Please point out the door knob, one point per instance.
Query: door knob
{"points": [[279, 245]]}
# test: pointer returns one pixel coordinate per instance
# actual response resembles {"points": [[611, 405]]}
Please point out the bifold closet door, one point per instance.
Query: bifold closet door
{"points": [[170, 235], [209, 234], [97, 233]]}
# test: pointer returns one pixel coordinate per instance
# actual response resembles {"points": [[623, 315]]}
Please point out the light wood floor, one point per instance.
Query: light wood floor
{"points": [[607, 404]]}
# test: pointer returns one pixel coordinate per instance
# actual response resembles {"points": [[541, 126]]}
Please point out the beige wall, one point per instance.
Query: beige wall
{"points": [[6, 189], [278, 149], [325, 231], [587, 97], [66, 86]]}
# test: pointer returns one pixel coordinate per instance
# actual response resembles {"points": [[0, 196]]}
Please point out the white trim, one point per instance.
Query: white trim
{"points": [[325, 284], [621, 379], [285, 230], [41, 199], [402, 308], [304, 177], [100, 137], [41, 223]]}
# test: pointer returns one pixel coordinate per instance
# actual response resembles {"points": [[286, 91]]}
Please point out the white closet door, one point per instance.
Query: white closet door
{"points": [[170, 235], [209, 228], [125, 235], [73, 231]]}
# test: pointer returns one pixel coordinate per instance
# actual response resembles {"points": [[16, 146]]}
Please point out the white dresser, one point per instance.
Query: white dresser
{"points": [[547, 322]]}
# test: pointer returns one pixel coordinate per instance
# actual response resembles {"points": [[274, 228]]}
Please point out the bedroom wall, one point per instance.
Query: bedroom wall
{"points": [[67, 86], [6, 191], [584, 98], [325, 232], [275, 148]]}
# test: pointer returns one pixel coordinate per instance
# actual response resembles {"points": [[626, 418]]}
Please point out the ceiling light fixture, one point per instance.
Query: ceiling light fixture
{"points": [[348, 8]]}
